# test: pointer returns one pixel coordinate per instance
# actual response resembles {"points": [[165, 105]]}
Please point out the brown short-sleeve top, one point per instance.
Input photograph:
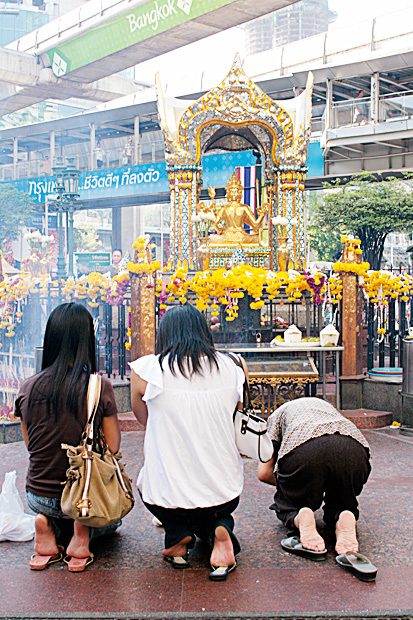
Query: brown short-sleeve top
{"points": [[46, 432]]}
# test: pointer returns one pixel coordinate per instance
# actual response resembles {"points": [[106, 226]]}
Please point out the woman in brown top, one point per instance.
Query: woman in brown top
{"points": [[319, 456], [52, 410]]}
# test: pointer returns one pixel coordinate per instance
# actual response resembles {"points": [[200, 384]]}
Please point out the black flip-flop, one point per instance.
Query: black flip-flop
{"points": [[177, 561], [220, 573], [294, 545], [358, 564]]}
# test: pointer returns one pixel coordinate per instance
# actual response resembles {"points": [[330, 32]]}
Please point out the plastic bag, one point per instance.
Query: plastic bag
{"points": [[15, 524]]}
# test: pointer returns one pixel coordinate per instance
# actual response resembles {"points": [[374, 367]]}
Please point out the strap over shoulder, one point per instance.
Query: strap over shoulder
{"points": [[92, 399], [247, 402]]}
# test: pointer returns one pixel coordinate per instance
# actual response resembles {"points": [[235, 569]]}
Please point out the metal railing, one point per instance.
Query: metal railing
{"points": [[114, 157], [386, 350], [396, 106], [392, 107], [111, 324]]}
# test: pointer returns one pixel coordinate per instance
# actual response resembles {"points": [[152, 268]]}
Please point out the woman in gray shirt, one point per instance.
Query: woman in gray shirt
{"points": [[319, 456]]}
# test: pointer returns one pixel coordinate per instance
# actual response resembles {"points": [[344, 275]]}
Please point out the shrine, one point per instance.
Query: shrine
{"points": [[238, 115]]}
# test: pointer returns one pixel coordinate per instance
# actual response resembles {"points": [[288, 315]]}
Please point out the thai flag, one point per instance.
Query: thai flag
{"points": [[247, 175]]}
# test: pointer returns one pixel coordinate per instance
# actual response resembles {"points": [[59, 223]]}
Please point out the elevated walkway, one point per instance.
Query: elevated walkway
{"points": [[103, 37]]}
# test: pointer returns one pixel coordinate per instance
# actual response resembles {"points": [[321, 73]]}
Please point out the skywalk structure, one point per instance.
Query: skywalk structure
{"points": [[362, 112]]}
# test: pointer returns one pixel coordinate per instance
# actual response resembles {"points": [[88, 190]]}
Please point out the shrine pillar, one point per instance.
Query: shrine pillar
{"points": [[290, 202], [271, 197], [143, 326], [184, 187], [352, 376]]}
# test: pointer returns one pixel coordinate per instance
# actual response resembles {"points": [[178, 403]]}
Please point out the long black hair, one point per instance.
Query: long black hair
{"points": [[183, 336], [68, 358]]}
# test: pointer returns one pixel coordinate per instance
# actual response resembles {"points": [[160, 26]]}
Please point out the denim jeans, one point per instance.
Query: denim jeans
{"points": [[50, 507]]}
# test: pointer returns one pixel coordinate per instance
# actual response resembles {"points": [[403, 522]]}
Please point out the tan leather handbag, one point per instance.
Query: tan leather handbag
{"points": [[97, 491]]}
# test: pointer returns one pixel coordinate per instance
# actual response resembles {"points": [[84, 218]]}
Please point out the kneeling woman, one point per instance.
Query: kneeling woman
{"points": [[319, 456], [192, 475], [52, 409]]}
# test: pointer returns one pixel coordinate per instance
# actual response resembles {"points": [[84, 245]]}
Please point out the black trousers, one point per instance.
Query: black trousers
{"points": [[331, 468], [181, 522]]}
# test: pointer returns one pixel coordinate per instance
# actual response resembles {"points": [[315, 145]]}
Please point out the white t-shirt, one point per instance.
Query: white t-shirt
{"points": [[191, 458]]}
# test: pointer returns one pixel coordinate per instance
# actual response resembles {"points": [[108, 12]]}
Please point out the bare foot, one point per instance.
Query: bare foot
{"points": [[79, 544], [346, 533], [223, 551], [178, 550], [45, 539], [309, 537]]}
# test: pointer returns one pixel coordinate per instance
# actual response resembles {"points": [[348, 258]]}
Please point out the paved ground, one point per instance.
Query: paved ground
{"points": [[129, 579]]}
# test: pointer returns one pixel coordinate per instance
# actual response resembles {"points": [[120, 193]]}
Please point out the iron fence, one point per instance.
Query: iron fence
{"points": [[111, 325], [386, 349]]}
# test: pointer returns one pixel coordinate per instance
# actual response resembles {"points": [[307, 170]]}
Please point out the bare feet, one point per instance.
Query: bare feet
{"points": [[346, 533], [79, 544], [178, 550], [309, 537], [45, 539], [223, 551]]}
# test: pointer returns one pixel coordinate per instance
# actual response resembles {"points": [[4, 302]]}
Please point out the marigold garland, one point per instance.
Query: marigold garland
{"points": [[224, 287]]}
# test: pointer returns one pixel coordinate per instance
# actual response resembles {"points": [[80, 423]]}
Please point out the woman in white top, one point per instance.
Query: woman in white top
{"points": [[192, 476]]}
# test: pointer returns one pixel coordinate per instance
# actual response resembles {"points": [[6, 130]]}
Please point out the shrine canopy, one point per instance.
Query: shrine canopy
{"points": [[238, 115]]}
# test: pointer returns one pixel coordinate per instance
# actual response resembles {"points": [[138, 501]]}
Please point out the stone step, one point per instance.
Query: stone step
{"points": [[362, 418], [368, 418], [128, 422]]}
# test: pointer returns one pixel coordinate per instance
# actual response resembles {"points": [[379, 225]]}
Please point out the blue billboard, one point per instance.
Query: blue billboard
{"points": [[152, 179]]}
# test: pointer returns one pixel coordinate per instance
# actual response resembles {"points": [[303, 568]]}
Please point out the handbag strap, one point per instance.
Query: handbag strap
{"points": [[247, 402], [93, 397]]}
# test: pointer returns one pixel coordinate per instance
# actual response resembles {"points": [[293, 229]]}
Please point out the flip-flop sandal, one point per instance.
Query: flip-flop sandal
{"points": [[294, 545], [177, 561], [357, 564], [220, 573], [40, 562], [78, 565]]}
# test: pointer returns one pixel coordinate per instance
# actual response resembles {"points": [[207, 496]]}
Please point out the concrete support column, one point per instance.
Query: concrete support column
{"points": [[15, 156], [92, 158], [52, 148], [329, 105], [136, 152], [374, 98]]}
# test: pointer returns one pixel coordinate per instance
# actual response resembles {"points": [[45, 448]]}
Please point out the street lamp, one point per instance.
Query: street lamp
{"points": [[70, 195], [59, 189], [66, 188]]}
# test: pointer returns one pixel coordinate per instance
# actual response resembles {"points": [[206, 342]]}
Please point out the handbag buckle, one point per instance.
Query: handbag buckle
{"points": [[244, 426], [83, 503]]}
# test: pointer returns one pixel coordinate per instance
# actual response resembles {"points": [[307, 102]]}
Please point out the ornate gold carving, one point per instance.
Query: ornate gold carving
{"points": [[237, 101], [268, 393]]}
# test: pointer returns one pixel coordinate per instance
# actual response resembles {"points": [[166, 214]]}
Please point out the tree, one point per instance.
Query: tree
{"points": [[369, 209], [16, 209], [325, 243]]}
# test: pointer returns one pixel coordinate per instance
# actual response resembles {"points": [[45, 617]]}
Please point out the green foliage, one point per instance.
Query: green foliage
{"points": [[368, 209], [324, 242], [16, 208]]}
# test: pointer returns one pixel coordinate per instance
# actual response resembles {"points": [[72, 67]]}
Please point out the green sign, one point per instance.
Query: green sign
{"points": [[138, 24], [92, 261]]}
